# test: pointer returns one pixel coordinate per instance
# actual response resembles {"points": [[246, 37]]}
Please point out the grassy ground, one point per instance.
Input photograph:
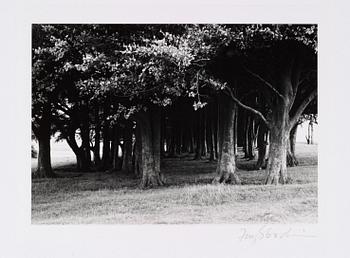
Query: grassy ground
{"points": [[188, 197]]}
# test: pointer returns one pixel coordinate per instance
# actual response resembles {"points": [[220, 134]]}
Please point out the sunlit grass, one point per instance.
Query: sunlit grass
{"points": [[188, 197]]}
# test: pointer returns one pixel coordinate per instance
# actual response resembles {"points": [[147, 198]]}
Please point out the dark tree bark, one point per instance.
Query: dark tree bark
{"points": [[204, 133], [96, 150], [235, 131], [226, 166], [262, 144], [43, 135], [162, 135], [248, 146], [291, 157], [78, 151], [106, 148], [172, 147], [127, 147], [198, 136], [191, 139], [85, 143], [211, 134], [116, 160], [137, 153], [178, 140], [149, 124], [215, 133]]}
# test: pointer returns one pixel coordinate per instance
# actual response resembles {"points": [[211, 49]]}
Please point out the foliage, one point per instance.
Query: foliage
{"points": [[80, 68]]}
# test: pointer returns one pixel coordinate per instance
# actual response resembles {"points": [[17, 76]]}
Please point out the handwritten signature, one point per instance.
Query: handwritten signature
{"points": [[267, 232]]}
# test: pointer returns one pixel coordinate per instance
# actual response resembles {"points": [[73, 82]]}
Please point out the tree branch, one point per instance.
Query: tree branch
{"points": [[269, 85], [256, 112], [302, 106]]}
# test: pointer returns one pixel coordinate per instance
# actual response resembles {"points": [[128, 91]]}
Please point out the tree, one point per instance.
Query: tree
{"points": [[226, 167], [282, 60], [48, 53]]}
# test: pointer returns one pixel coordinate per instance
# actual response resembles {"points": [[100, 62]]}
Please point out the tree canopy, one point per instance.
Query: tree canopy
{"points": [[89, 79]]}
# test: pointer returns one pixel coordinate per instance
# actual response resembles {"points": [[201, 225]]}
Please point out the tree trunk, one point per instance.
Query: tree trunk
{"points": [[245, 137], [235, 130], [106, 148], [42, 134], [137, 153], [211, 136], [204, 133], [250, 138], [198, 152], [162, 135], [291, 158], [97, 157], [226, 166], [85, 146], [262, 143], [279, 134], [191, 139], [127, 147], [310, 133], [149, 123], [44, 168], [116, 160]]}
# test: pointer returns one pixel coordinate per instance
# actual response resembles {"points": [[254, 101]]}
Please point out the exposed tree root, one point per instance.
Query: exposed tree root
{"points": [[149, 181], [227, 178]]}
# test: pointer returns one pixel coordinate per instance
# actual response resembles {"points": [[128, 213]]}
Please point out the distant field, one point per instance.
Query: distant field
{"points": [[188, 197]]}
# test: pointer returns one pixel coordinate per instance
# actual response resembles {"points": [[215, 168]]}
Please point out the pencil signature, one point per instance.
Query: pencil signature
{"points": [[267, 232]]}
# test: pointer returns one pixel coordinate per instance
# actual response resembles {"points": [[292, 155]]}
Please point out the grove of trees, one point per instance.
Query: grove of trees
{"points": [[157, 91]]}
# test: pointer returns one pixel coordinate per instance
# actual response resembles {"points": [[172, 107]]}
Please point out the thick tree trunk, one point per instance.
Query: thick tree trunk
{"points": [[226, 166], [44, 160], [127, 148], [149, 123], [42, 133], [279, 134], [44, 168]]}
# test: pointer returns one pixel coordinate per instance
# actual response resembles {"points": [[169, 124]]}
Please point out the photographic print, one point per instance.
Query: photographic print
{"points": [[174, 123]]}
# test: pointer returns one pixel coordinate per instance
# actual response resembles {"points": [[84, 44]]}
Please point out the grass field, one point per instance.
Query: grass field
{"points": [[189, 197]]}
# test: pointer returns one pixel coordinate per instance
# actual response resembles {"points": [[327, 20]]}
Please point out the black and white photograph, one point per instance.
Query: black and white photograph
{"points": [[174, 123], [180, 129]]}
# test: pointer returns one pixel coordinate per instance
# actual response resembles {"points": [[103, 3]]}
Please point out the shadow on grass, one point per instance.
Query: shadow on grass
{"points": [[178, 171]]}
